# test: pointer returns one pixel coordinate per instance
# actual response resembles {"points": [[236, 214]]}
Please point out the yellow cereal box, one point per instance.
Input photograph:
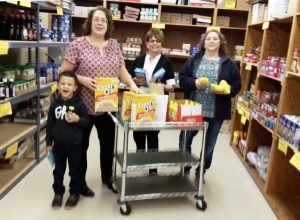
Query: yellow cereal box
{"points": [[126, 105], [106, 94], [143, 108]]}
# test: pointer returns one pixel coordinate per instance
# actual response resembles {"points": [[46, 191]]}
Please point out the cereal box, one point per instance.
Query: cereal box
{"points": [[143, 108], [126, 105], [106, 94]]}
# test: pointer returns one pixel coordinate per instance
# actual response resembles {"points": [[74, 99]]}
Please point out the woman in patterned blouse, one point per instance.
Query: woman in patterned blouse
{"points": [[212, 62], [96, 54]]}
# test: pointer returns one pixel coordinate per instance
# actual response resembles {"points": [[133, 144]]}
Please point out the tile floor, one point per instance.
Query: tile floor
{"points": [[229, 192]]}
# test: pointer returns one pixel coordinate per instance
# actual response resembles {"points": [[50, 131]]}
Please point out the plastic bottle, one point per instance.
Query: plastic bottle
{"points": [[11, 88]]}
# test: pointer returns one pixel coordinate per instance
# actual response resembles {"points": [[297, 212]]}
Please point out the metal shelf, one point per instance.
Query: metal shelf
{"points": [[21, 98], [141, 160], [151, 187], [35, 44], [13, 132]]}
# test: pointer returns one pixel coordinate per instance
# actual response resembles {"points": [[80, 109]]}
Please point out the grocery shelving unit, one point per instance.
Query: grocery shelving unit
{"points": [[235, 33], [12, 133], [282, 186]]}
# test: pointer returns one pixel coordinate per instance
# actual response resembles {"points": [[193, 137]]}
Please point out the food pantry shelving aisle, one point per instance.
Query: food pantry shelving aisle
{"points": [[229, 191]]}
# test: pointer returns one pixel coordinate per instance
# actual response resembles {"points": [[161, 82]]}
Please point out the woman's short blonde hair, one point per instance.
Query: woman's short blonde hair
{"points": [[157, 33]]}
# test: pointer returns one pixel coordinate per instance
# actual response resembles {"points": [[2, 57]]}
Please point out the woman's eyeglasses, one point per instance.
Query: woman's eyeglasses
{"points": [[154, 41], [102, 20]]}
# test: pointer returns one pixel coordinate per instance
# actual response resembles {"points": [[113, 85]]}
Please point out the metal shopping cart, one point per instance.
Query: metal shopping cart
{"points": [[160, 186]]}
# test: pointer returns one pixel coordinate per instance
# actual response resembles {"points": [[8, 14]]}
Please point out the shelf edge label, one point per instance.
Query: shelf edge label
{"points": [[158, 25], [11, 150], [26, 3], [248, 66], [59, 10], [217, 28], [53, 88], [13, 2], [5, 109], [4, 47], [266, 25], [295, 161], [230, 4], [282, 146]]}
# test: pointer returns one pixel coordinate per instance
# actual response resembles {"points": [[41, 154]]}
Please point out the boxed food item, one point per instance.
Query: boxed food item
{"points": [[242, 4], [165, 17], [143, 108], [185, 110], [126, 105], [187, 19], [106, 94], [176, 18], [223, 21]]}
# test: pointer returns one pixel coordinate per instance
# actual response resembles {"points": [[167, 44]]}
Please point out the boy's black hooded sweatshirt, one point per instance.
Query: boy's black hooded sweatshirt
{"points": [[58, 128]]}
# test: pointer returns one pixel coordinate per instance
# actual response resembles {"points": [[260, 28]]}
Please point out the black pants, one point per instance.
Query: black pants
{"points": [[106, 135], [140, 139], [64, 151]]}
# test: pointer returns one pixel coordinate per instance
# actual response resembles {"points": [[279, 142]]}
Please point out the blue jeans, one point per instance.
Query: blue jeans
{"points": [[214, 126]]}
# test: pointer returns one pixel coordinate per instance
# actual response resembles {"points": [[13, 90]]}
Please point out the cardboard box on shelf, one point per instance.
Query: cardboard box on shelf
{"points": [[176, 18], [187, 19], [165, 17], [223, 21], [242, 4]]}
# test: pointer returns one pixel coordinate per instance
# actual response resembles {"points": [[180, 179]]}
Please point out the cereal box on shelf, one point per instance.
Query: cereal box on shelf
{"points": [[106, 94]]}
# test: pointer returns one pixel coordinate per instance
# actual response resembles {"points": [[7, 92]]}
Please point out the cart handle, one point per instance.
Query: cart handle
{"points": [[113, 118]]}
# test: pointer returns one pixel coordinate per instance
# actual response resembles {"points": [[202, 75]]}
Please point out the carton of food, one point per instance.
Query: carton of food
{"points": [[106, 94], [126, 105], [143, 108]]}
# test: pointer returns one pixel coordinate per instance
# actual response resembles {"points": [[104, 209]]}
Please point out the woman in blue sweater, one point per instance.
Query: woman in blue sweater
{"points": [[212, 62]]}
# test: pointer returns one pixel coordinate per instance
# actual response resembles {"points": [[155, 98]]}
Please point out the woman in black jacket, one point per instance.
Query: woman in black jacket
{"points": [[213, 63], [145, 67]]}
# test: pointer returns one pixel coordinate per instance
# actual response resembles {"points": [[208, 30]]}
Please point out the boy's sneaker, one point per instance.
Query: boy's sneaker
{"points": [[72, 201], [57, 200]]}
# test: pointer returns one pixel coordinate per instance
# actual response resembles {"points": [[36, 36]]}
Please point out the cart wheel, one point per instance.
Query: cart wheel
{"points": [[201, 205], [125, 209]]}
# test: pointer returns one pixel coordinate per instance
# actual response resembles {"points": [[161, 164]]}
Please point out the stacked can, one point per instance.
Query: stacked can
{"points": [[61, 28]]}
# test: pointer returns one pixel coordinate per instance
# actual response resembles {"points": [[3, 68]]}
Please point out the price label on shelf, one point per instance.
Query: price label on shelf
{"points": [[243, 119], [282, 146], [59, 10], [5, 109], [248, 66], [230, 4], [265, 25], [158, 25], [247, 114], [11, 150], [53, 88], [295, 161], [26, 3], [13, 2], [4, 47], [217, 28]]}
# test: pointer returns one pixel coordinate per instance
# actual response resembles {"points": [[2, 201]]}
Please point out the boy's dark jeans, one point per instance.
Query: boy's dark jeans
{"points": [[64, 151]]}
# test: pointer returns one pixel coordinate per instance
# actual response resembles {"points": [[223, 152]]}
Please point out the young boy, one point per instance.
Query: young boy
{"points": [[67, 118]]}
